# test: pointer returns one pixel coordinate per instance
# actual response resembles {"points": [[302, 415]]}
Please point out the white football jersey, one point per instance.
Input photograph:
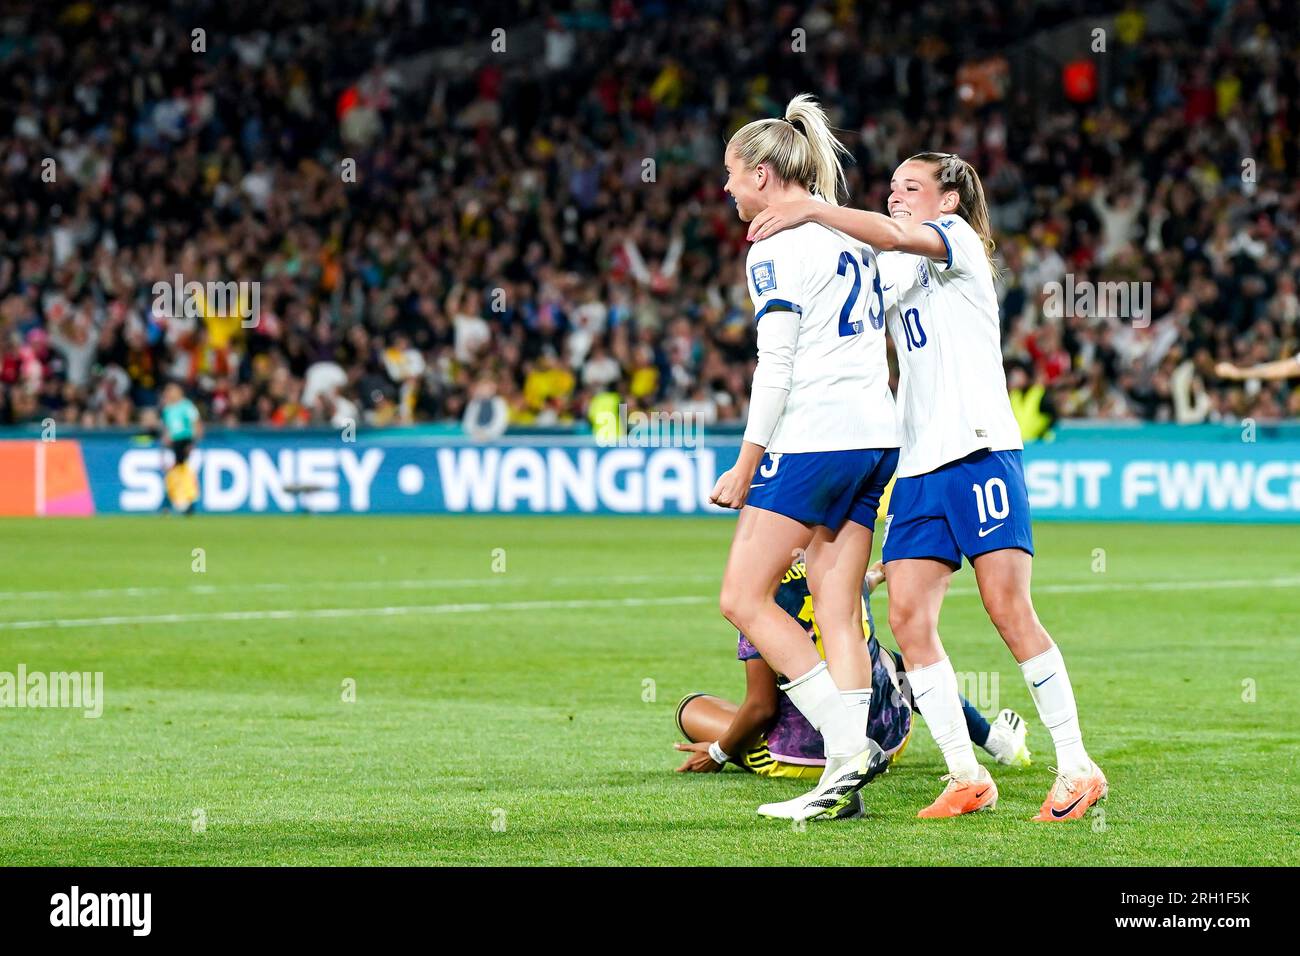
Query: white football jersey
{"points": [[839, 386], [943, 318]]}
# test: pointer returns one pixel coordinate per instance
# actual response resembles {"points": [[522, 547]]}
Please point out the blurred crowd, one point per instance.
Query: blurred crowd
{"points": [[549, 232]]}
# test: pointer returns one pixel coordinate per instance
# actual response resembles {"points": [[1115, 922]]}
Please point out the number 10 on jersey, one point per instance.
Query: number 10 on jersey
{"points": [[912, 329]]}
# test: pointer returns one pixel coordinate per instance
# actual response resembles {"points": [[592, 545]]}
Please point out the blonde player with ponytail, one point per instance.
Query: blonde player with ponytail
{"points": [[961, 485], [820, 445]]}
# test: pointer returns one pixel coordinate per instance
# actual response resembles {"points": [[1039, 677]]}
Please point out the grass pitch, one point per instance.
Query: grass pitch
{"points": [[522, 713]]}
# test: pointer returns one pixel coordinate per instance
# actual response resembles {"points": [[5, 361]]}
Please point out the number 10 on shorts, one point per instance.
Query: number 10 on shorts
{"points": [[991, 500]]}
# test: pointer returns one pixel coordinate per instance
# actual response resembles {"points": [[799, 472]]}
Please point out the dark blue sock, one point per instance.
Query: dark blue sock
{"points": [[975, 723]]}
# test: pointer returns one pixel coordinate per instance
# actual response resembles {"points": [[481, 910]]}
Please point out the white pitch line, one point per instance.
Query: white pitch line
{"points": [[412, 584], [292, 614], [1216, 584], [446, 583], [479, 607]]}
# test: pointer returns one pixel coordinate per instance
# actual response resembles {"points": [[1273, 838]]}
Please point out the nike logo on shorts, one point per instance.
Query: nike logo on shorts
{"points": [[984, 531]]}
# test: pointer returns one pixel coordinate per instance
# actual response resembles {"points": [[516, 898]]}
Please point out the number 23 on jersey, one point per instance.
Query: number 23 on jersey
{"points": [[849, 325]]}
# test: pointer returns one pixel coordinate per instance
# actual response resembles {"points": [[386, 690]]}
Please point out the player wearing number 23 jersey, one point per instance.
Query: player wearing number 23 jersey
{"points": [[832, 451], [960, 485]]}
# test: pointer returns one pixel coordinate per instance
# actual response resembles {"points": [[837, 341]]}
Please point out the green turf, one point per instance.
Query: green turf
{"points": [[489, 734]]}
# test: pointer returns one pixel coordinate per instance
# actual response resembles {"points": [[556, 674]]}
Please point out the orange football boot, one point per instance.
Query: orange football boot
{"points": [[963, 796], [1071, 797]]}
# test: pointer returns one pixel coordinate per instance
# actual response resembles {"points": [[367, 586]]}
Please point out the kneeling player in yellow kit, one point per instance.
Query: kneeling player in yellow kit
{"points": [[767, 734]]}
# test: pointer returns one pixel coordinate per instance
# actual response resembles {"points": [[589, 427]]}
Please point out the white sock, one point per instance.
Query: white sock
{"points": [[999, 742], [818, 699], [934, 688], [1049, 685], [859, 704]]}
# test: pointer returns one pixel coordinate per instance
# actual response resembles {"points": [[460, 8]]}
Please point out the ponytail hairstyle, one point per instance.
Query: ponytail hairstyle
{"points": [[954, 174], [801, 148]]}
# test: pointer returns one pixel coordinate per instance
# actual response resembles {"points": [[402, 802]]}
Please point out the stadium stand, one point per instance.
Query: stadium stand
{"points": [[430, 220]]}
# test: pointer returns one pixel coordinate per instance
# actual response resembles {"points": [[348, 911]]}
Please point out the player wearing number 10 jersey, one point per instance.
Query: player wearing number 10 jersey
{"points": [[960, 488]]}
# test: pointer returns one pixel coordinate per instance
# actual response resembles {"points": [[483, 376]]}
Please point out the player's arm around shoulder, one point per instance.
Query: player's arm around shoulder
{"points": [[878, 231]]}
